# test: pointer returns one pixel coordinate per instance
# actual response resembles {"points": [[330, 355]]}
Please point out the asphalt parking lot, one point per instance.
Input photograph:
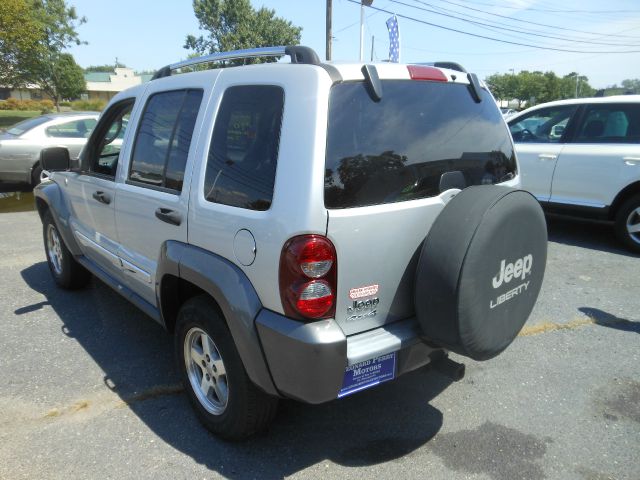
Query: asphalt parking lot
{"points": [[88, 387]]}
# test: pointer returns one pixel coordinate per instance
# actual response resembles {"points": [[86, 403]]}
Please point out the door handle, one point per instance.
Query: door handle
{"points": [[547, 157], [631, 161], [169, 216], [102, 197]]}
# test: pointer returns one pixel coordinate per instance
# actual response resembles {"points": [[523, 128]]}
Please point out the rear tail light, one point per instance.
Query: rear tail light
{"points": [[308, 277], [421, 72]]}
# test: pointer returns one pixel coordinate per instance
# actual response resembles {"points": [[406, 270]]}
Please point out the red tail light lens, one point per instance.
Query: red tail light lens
{"points": [[308, 277], [421, 72]]}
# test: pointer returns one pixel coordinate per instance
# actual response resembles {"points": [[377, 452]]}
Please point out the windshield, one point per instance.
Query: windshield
{"points": [[399, 148], [26, 125]]}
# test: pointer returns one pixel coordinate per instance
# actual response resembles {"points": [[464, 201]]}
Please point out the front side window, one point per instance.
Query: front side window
{"points": [[610, 123], [75, 129], [164, 137], [241, 167], [546, 125], [103, 149]]}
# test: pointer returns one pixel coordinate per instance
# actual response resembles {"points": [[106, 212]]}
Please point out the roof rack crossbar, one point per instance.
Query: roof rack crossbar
{"points": [[299, 54]]}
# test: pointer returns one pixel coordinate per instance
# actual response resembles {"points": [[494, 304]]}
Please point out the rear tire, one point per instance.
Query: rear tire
{"points": [[66, 272], [627, 224], [224, 398]]}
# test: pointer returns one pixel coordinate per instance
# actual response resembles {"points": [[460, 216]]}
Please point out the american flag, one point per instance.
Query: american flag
{"points": [[394, 39]]}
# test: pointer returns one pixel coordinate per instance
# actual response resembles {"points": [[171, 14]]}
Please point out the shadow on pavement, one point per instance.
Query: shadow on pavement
{"points": [[585, 234], [136, 355], [608, 320]]}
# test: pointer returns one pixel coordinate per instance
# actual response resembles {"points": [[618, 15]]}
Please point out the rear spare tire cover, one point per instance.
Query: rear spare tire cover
{"points": [[480, 270]]}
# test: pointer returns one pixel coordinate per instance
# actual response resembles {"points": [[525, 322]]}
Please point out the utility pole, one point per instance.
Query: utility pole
{"points": [[373, 42], [577, 83], [361, 31], [362, 5], [329, 14]]}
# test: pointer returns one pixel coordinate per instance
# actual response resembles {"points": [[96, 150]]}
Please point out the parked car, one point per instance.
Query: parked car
{"points": [[581, 157], [20, 145], [307, 248]]}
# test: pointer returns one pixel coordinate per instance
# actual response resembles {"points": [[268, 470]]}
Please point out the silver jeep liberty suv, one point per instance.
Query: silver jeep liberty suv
{"points": [[306, 230]]}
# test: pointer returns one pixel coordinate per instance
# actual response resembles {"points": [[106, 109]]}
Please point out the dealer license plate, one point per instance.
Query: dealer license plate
{"points": [[368, 374]]}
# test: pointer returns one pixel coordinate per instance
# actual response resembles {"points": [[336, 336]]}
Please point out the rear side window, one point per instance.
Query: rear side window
{"points": [[241, 167], [610, 123], [164, 137], [400, 147]]}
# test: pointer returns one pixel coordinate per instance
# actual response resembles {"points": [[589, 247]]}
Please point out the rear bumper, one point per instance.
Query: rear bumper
{"points": [[307, 361]]}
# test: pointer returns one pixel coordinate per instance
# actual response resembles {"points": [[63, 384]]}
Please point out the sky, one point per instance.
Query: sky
{"points": [[148, 34]]}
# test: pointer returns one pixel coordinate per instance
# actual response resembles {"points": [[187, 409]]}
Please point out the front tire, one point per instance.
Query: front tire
{"points": [[628, 223], [66, 272], [223, 396]]}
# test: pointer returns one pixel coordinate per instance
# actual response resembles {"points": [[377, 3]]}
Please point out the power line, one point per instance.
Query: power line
{"points": [[594, 12], [475, 22], [406, 17], [533, 23]]}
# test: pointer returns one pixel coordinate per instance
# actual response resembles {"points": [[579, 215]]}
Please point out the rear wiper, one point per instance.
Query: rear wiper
{"points": [[374, 85], [474, 87]]}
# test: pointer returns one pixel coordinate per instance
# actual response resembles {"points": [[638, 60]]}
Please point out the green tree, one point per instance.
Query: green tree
{"points": [[531, 88], [235, 25], [631, 84], [105, 68], [61, 79], [50, 67], [20, 35]]}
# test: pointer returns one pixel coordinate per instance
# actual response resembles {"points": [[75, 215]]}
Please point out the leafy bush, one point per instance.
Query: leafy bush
{"points": [[65, 104], [88, 105], [43, 106], [46, 106]]}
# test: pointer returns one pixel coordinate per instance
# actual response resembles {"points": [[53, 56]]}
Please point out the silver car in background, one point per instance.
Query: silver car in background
{"points": [[20, 145]]}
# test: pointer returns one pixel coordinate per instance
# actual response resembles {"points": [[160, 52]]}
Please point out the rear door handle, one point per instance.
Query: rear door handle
{"points": [[547, 157], [102, 197], [169, 216], [631, 160]]}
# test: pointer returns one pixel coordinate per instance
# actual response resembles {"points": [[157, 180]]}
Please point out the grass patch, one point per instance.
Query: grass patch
{"points": [[11, 117]]}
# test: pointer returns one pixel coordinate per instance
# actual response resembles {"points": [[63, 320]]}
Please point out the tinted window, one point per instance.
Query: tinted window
{"points": [[103, 149], [399, 148], [546, 125], [75, 129], [164, 137], [241, 166], [610, 123]]}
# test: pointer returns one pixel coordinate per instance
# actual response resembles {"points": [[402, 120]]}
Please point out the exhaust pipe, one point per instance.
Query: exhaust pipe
{"points": [[454, 370]]}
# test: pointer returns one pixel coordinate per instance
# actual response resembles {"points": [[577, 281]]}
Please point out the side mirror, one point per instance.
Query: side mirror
{"points": [[55, 159]]}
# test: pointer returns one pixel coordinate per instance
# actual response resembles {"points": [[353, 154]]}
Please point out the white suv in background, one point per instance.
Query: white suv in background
{"points": [[582, 157]]}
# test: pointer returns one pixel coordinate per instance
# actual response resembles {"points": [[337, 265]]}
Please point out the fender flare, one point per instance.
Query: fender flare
{"points": [[50, 195], [232, 291]]}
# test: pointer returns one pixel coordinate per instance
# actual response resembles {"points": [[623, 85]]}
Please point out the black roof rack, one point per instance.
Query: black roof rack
{"points": [[298, 54]]}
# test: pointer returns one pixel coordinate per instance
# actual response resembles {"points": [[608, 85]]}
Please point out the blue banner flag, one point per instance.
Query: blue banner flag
{"points": [[394, 39]]}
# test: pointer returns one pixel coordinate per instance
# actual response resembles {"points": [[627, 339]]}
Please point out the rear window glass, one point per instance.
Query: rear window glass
{"points": [[397, 149], [26, 125]]}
